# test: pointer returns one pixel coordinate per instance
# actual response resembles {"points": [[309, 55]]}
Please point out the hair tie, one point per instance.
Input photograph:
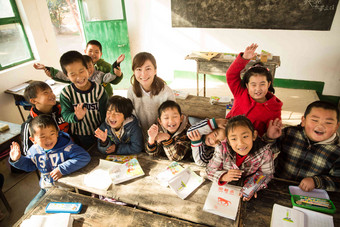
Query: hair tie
{"points": [[257, 66]]}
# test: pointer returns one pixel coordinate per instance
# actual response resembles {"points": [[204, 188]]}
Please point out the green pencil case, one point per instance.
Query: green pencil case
{"points": [[320, 203]]}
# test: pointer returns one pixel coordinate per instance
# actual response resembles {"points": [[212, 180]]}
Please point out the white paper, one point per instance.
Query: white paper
{"points": [[18, 87], [316, 219], [49, 220], [223, 200], [185, 182], [99, 177], [287, 217], [318, 193]]}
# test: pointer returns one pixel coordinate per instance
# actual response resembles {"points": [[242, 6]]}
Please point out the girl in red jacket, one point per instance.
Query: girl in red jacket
{"points": [[253, 94]]}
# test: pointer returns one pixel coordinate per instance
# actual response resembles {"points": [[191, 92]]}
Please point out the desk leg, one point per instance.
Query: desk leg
{"points": [[22, 116], [197, 78], [204, 89]]}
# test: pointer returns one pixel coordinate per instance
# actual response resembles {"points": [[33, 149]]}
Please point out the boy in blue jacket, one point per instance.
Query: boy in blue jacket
{"points": [[120, 133], [53, 154]]}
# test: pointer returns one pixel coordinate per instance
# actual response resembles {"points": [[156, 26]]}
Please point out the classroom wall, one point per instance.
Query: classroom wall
{"points": [[35, 14], [305, 55]]}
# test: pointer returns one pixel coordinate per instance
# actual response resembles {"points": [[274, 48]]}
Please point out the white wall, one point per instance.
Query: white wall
{"points": [[42, 36], [305, 55]]}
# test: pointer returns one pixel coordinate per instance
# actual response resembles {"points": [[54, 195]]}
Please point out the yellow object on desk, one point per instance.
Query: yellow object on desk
{"points": [[3, 127]]}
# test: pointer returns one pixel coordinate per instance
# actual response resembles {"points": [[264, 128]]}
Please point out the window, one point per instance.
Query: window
{"points": [[14, 45]]}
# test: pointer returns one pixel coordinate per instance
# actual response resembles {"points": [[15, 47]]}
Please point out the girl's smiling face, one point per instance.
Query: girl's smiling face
{"points": [[145, 75], [241, 139], [258, 87], [114, 118]]}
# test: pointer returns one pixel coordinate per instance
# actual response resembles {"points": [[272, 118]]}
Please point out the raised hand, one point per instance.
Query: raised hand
{"points": [[100, 134], [152, 133], [120, 58], [249, 52], [79, 111], [39, 66], [15, 153], [274, 130], [194, 135]]}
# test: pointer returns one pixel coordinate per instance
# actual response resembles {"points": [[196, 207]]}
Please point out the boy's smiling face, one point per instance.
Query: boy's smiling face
{"points": [[78, 74], [215, 137], [114, 118], [45, 137], [320, 124], [170, 119], [44, 98], [94, 52]]}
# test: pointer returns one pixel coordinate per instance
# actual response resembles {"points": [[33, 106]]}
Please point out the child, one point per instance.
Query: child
{"points": [[148, 91], [96, 76], [170, 133], [310, 152], [120, 133], [94, 50], [243, 154], [53, 154], [206, 137], [253, 95], [83, 102], [43, 101]]}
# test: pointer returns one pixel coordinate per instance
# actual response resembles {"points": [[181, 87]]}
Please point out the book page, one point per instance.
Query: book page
{"points": [[316, 219], [287, 217]]}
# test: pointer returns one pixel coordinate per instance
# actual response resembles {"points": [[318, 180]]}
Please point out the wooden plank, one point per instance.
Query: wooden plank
{"points": [[200, 107], [96, 212], [146, 193], [11, 133]]}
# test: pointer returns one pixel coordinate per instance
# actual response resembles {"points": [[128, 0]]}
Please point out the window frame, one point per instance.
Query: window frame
{"points": [[16, 19]]}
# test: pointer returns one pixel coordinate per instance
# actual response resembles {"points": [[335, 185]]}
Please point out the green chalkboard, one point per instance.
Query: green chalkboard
{"points": [[254, 14]]}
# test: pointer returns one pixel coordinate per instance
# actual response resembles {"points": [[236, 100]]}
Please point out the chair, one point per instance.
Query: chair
{"points": [[2, 196]]}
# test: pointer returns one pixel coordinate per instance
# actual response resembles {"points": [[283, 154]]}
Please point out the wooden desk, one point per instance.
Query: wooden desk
{"points": [[6, 137], [18, 93], [200, 107], [96, 212], [219, 65], [146, 193], [257, 212]]}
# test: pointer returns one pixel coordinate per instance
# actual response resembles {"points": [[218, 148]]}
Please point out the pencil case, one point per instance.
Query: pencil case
{"points": [[317, 200], [313, 203]]}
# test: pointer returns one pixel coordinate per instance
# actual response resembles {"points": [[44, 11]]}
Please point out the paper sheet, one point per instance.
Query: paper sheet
{"points": [[316, 219]]}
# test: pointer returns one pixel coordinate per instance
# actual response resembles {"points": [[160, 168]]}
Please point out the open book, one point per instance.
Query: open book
{"points": [[223, 200], [126, 171], [185, 182], [299, 217], [164, 177], [120, 158]]}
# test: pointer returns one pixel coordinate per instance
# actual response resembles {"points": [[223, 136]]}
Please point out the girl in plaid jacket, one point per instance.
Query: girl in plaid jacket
{"points": [[243, 155]]}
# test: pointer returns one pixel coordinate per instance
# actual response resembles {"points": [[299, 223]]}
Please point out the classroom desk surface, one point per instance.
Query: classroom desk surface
{"points": [[96, 212], [200, 107], [146, 193], [11, 133]]}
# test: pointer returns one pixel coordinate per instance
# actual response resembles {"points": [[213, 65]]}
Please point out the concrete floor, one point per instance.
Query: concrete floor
{"points": [[20, 188]]}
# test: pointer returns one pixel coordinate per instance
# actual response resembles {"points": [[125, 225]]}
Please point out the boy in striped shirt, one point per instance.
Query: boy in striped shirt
{"points": [[83, 102]]}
